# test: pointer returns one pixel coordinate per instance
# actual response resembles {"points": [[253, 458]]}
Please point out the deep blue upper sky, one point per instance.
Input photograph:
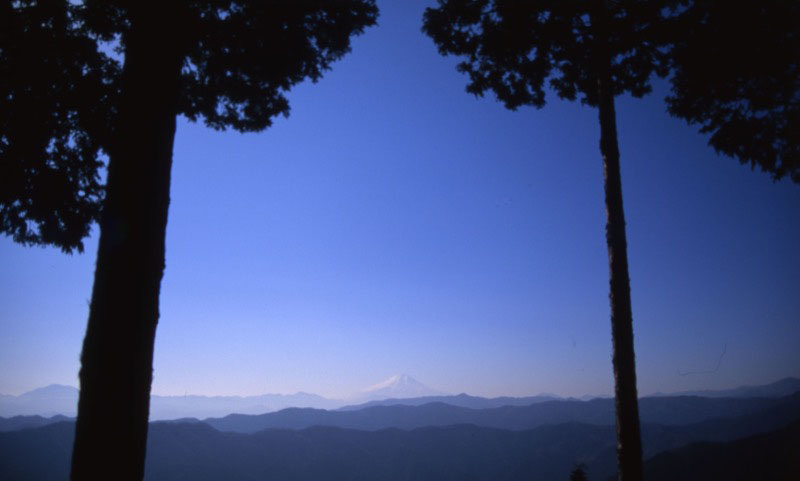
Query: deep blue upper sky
{"points": [[394, 223]]}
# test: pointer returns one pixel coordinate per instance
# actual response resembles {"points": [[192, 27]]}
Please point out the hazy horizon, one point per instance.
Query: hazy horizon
{"points": [[351, 395], [395, 224], [358, 395]]}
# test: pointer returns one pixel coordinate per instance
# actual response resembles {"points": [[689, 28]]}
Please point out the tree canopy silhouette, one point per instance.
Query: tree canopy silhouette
{"points": [[66, 101], [587, 50], [578, 473], [737, 75], [54, 87]]}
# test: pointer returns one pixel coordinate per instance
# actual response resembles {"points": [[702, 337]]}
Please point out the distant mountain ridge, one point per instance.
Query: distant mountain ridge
{"points": [[657, 410], [172, 407], [17, 423], [62, 400], [462, 400], [399, 386], [55, 399], [446, 453], [783, 387]]}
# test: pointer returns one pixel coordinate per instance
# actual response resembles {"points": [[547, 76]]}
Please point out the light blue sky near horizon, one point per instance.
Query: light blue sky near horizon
{"points": [[394, 223]]}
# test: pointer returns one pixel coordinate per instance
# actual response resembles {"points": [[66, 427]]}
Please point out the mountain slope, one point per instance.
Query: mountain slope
{"points": [[462, 452], [658, 410], [398, 386], [37, 454], [461, 400], [783, 387], [198, 452], [771, 456], [25, 422], [401, 389], [51, 400]]}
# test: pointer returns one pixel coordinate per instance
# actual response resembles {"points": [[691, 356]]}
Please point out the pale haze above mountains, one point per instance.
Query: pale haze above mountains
{"points": [[58, 399], [399, 389]]}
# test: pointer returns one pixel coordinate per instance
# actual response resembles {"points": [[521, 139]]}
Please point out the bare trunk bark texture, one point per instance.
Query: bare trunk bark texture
{"points": [[117, 356], [629, 444]]}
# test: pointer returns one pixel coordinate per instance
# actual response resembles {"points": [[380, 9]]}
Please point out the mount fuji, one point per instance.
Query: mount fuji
{"points": [[399, 386]]}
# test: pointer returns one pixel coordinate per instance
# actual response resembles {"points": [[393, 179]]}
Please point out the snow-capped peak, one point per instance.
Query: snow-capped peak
{"points": [[397, 386]]}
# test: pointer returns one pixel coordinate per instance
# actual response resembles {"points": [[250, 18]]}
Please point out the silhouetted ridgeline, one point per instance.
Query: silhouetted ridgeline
{"points": [[656, 410], [197, 451], [57, 399], [773, 456], [780, 388], [24, 422], [663, 410], [462, 400]]}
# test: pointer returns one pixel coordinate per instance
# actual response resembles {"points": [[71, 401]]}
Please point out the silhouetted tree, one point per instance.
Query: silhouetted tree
{"points": [[578, 473], [593, 50], [54, 87], [64, 103], [737, 75]]}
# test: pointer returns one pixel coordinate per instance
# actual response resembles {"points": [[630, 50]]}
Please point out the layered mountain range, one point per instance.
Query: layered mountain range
{"points": [[397, 390], [684, 437], [383, 442], [63, 400]]}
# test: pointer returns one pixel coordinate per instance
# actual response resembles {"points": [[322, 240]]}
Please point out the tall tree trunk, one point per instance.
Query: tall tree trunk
{"points": [[117, 357], [629, 443]]}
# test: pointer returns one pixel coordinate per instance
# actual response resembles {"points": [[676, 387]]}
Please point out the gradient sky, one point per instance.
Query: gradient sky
{"points": [[394, 223]]}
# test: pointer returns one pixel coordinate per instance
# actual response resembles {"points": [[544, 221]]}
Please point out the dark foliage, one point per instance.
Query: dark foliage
{"points": [[241, 57], [737, 76], [55, 91], [578, 474], [517, 49], [227, 62], [59, 91], [590, 50]]}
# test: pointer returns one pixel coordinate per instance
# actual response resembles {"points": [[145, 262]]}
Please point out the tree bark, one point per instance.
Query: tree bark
{"points": [[117, 356], [629, 444]]}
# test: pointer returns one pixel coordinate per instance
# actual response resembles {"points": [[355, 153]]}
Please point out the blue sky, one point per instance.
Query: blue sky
{"points": [[394, 223]]}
